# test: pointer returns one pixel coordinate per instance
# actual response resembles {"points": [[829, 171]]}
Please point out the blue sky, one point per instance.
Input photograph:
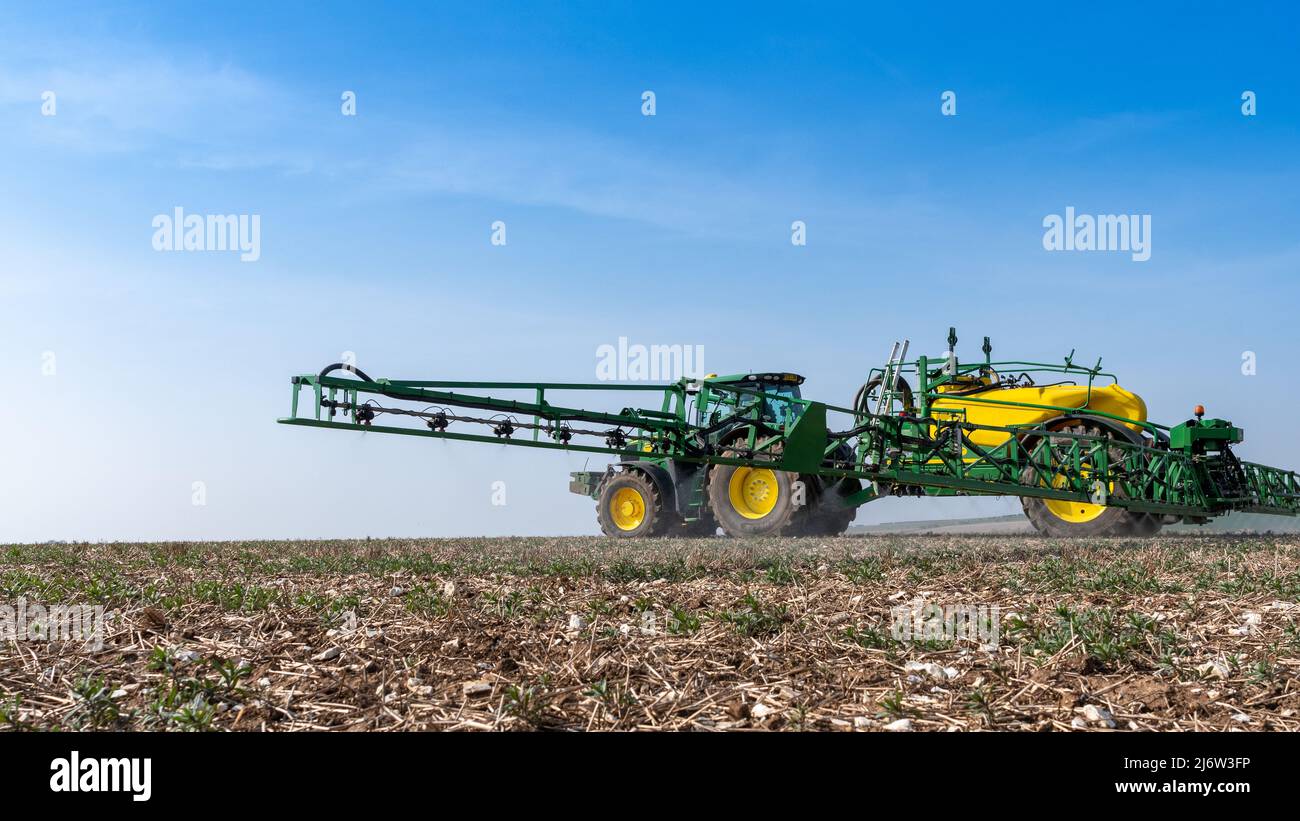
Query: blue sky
{"points": [[170, 368]]}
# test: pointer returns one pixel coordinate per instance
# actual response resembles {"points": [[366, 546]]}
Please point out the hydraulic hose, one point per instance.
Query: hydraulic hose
{"points": [[339, 366]]}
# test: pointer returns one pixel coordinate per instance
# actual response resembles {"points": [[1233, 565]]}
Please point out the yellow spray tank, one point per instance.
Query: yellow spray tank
{"points": [[971, 400], [995, 407]]}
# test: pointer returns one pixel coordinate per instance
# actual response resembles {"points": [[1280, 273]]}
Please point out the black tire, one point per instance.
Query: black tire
{"points": [[1112, 521], [653, 519], [860, 399], [775, 521]]}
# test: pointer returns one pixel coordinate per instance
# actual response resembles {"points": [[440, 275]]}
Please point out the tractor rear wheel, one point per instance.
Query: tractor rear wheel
{"points": [[630, 507], [751, 500], [1063, 517]]}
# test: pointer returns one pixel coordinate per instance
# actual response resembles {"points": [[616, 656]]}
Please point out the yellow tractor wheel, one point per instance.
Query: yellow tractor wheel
{"points": [[630, 507], [627, 508], [753, 492], [751, 500]]}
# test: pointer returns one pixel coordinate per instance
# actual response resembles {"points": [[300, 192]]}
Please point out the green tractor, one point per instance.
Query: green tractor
{"points": [[658, 495]]}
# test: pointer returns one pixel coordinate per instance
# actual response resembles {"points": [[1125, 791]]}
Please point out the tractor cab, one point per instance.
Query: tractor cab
{"points": [[721, 403]]}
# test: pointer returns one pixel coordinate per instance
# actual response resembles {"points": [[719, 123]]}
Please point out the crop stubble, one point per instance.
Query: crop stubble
{"points": [[702, 634]]}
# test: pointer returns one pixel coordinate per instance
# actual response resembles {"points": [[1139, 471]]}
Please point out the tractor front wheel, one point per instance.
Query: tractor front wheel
{"points": [[630, 507]]}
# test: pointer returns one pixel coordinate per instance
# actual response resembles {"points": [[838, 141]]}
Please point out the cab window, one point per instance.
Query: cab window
{"points": [[777, 410]]}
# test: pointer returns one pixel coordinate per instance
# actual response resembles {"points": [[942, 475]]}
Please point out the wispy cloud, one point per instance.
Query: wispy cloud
{"points": [[191, 113], [615, 178], [577, 170], [1087, 133], [183, 111]]}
